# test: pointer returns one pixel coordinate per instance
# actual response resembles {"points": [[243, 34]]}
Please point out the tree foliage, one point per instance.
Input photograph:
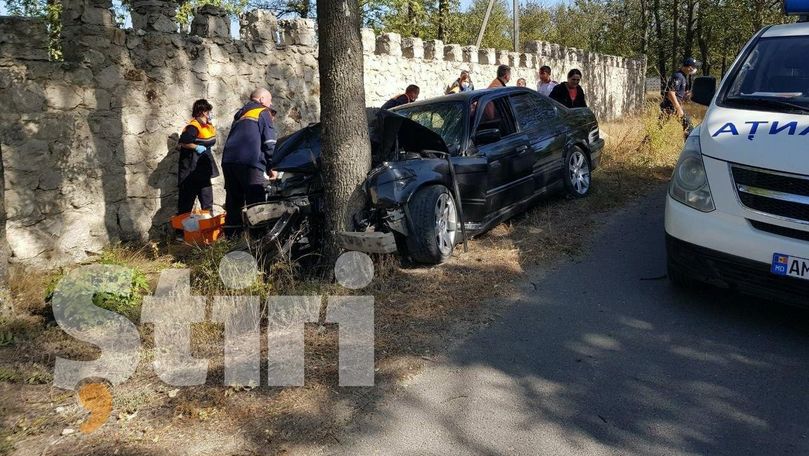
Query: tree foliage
{"points": [[665, 31]]}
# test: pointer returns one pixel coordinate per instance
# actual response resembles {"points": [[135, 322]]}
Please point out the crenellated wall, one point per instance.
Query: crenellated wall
{"points": [[88, 144]]}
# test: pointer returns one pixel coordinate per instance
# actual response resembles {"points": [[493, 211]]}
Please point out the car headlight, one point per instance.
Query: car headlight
{"points": [[689, 183]]}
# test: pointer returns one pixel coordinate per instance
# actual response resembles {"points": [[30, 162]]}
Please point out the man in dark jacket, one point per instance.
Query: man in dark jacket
{"points": [[570, 93], [247, 157], [675, 94], [411, 94]]}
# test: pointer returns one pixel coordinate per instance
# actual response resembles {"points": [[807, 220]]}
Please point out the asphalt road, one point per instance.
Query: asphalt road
{"points": [[603, 356]]}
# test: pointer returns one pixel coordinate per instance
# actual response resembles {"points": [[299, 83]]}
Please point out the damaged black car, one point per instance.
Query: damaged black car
{"points": [[443, 170]]}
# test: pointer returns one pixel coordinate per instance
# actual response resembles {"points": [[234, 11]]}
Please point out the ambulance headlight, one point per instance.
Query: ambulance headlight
{"points": [[689, 183]]}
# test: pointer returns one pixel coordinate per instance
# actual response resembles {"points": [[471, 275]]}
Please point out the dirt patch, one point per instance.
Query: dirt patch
{"points": [[419, 311]]}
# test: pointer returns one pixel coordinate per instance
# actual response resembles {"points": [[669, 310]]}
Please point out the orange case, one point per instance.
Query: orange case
{"points": [[209, 229]]}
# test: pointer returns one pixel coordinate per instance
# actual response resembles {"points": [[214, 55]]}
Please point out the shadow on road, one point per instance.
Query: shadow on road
{"points": [[606, 357]]}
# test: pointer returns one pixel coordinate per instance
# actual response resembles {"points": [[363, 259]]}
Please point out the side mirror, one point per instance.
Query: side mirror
{"points": [[703, 90], [487, 136]]}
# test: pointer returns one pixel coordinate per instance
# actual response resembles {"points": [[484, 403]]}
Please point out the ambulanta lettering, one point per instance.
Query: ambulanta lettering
{"points": [[776, 128]]}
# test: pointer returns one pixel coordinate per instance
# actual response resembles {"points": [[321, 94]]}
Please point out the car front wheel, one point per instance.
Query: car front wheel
{"points": [[435, 225], [577, 172]]}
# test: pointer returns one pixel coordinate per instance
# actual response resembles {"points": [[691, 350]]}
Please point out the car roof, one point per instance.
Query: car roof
{"points": [[796, 29], [463, 97]]}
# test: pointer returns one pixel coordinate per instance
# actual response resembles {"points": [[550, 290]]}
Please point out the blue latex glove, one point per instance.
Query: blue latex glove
{"points": [[201, 149]]}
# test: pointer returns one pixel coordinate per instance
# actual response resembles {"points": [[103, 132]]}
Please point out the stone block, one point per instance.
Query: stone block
{"points": [[23, 39], [61, 96], [299, 32], [368, 41], [211, 22], [258, 26], [487, 56], [154, 15], [453, 53], [502, 57], [413, 48], [470, 54], [527, 60], [513, 59], [389, 44], [434, 50]]}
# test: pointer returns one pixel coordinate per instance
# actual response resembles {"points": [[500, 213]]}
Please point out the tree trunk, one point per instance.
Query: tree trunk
{"points": [[344, 130], [675, 33], [443, 17], [3, 243], [661, 52], [704, 40], [690, 20], [644, 19]]}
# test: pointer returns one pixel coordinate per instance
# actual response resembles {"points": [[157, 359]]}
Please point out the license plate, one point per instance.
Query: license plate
{"points": [[785, 265]]}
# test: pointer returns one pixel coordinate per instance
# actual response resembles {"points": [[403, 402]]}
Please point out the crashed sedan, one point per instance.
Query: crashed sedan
{"points": [[443, 169]]}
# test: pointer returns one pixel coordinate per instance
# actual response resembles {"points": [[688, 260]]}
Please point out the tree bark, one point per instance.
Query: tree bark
{"points": [[644, 15], [443, 17], [4, 249], [661, 52], [675, 33], [344, 129], [690, 20]]}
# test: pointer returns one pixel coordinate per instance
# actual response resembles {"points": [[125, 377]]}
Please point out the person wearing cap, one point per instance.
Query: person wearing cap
{"points": [[675, 93], [411, 94], [462, 84], [196, 165], [247, 157], [503, 76]]}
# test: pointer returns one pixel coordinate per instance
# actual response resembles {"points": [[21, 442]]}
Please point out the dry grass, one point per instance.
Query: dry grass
{"points": [[419, 312]]}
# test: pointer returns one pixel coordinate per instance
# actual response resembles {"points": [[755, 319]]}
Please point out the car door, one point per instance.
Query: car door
{"points": [[538, 118], [508, 155]]}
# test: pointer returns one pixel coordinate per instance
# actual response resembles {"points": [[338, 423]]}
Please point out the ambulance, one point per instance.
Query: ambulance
{"points": [[737, 209]]}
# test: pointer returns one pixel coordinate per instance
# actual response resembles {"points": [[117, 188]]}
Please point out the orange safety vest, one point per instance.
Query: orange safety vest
{"points": [[252, 114], [206, 135]]}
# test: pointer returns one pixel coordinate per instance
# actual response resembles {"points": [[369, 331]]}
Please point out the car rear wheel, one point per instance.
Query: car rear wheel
{"points": [[577, 172], [435, 224]]}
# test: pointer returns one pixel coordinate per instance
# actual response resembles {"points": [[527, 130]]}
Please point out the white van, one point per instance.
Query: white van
{"points": [[737, 210]]}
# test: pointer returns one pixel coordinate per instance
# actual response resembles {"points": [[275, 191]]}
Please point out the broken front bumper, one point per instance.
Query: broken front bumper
{"points": [[369, 241]]}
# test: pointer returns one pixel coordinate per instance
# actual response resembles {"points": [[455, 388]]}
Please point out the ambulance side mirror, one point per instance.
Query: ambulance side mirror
{"points": [[703, 90]]}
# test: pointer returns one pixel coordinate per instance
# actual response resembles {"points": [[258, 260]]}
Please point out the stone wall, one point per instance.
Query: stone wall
{"points": [[87, 144]]}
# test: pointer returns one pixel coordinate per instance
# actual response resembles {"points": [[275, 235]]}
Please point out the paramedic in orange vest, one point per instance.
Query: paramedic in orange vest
{"points": [[197, 165], [247, 158]]}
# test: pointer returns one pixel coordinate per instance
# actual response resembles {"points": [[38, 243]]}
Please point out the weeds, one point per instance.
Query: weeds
{"points": [[419, 310]]}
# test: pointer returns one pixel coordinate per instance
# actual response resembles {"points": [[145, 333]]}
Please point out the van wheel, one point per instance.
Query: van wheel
{"points": [[435, 222], [577, 172]]}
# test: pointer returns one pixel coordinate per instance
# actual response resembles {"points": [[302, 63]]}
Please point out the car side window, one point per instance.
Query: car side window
{"points": [[532, 110], [496, 115]]}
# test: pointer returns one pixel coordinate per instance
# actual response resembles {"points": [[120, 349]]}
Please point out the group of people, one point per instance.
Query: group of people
{"points": [[247, 155], [246, 158], [569, 93]]}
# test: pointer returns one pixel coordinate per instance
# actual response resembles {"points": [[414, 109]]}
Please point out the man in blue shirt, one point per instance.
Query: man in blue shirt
{"points": [[247, 158], [674, 95]]}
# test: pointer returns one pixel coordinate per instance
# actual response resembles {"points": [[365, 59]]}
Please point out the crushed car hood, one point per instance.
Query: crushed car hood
{"points": [[300, 152]]}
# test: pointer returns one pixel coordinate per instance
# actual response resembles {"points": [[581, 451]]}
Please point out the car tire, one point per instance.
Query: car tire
{"points": [[435, 224], [577, 172]]}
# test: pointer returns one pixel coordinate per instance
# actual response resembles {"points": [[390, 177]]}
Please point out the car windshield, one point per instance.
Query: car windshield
{"points": [[446, 119], [774, 76]]}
